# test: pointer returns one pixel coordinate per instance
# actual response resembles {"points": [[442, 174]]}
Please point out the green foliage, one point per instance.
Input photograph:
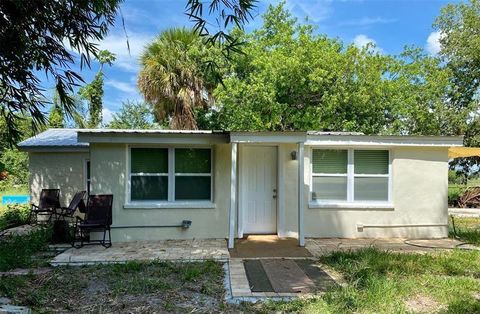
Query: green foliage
{"points": [[14, 215], [459, 28], [466, 228], [454, 194], [227, 14], [16, 164], [133, 115], [290, 78], [456, 177], [56, 117], [175, 76], [93, 92], [37, 36], [17, 251]]}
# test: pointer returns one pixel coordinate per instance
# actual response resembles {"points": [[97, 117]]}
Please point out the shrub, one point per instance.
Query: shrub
{"points": [[18, 250], [15, 215], [455, 177], [16, 164], [454, 194]]}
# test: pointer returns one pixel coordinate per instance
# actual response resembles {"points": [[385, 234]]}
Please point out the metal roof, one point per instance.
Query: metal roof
{"points": [[54, 138], [68, 139], [156, 131]]}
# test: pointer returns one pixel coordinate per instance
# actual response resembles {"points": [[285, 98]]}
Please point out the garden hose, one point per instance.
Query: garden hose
{"points": [[444, 248]]}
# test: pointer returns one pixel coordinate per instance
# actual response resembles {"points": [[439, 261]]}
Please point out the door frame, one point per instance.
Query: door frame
{"points": [[241, 180]]}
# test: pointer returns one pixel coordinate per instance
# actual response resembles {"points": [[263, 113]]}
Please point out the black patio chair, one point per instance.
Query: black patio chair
{"points": [[76, 203], [97, 218], [48, 204]]}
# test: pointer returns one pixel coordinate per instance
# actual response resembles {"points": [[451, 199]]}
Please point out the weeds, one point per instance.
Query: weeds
{"points": [[18, 250], [14, 215], [466, 229], [120, 288]]}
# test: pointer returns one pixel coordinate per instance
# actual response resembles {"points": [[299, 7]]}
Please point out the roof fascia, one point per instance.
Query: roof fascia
{"points": [[267, 137], [384, 141], [153, 138]]}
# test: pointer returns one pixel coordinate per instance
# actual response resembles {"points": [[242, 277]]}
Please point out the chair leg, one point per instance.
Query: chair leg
{"points": [[104, 242]]}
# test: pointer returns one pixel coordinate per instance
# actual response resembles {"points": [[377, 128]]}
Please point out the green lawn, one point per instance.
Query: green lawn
{"points": [[467, 229], [376, 282]]}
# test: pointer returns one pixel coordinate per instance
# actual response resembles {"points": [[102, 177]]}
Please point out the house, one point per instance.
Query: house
{"points": [[229, 184]]}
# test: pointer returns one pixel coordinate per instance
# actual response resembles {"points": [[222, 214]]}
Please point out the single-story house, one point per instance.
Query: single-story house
{"points": [[230, 184]]}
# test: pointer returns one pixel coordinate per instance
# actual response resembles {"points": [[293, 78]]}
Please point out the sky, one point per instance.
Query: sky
{"points": [[390, 24]]}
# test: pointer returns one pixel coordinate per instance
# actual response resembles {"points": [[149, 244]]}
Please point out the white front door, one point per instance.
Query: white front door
{"points": [[259, 189]]}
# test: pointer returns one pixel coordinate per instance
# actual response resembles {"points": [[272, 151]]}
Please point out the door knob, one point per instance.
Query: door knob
{"points": [[274, 193]]}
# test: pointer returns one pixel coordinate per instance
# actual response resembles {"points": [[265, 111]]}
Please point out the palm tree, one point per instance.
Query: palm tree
{"points": [[171, 77]]}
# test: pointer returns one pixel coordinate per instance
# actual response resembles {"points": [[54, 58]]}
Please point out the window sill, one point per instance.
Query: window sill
{"points": [[186, 205], [352, 205]]}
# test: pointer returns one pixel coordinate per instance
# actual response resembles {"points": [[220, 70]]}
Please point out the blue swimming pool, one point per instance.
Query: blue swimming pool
{"points": [[15, 199]]}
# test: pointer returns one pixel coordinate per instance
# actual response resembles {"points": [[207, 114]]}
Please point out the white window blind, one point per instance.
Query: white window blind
{"points": [[329, 170], [350, 175]]}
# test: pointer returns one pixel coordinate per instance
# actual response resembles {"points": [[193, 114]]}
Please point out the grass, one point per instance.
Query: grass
{"points": [[376, 282], [467, 229], [14, 215], [22, 251], [383, 282], [130, 287]]}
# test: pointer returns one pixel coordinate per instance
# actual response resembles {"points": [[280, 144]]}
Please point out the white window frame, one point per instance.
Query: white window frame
{"points": [[170, 202], [331, 175], [351, 202]]}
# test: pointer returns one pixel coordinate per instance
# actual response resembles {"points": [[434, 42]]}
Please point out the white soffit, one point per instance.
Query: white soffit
{"points": [[383, 141], [267, 137]]}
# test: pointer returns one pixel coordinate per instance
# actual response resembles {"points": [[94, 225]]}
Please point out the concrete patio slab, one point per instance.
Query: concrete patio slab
{"points": [[168, 250]]}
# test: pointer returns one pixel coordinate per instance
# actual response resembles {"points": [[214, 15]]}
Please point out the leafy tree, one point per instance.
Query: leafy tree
{"points": [[93, 92], [174, 77], [227, 14], [56, 117], [133, 115], [292, 79], [459, 27], [15, 163], [34, 38]]}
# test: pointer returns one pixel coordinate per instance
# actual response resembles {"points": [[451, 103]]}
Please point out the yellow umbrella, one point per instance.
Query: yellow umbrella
{"points": [[456, 152]]}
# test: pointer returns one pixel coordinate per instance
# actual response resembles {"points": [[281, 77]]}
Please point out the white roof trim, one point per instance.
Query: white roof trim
{"points": [[385, 141], [79, 139], [155, 131], [268, 137]]}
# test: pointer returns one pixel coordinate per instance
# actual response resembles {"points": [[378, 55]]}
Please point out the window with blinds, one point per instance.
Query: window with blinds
{"points": [[170, 174], [350, 175], [371, 175], [329, 174]]}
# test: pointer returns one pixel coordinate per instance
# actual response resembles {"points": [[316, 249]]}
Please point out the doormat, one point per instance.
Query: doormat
{"points": [[287, 276], [267, 246]]}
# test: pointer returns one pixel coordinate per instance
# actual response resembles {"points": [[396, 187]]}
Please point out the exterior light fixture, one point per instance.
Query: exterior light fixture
{"points": [[293, 154]]}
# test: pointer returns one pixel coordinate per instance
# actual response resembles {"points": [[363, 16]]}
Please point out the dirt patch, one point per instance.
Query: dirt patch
{"points": [[423, 303], [121, 288]]}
